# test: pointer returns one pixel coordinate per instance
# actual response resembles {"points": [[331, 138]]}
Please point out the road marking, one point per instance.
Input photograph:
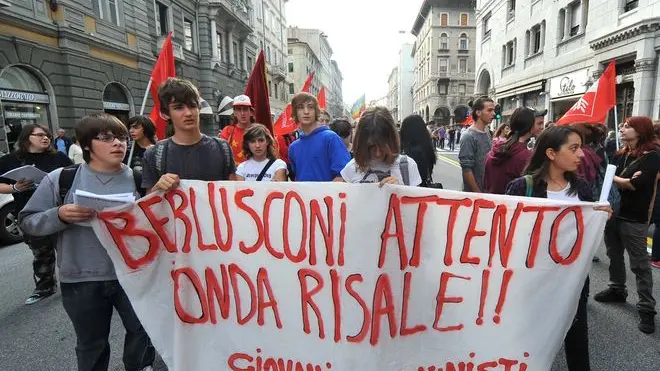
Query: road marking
{"points": [[448, 160]]}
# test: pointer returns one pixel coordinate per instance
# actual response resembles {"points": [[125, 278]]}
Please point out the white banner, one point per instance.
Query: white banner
{"points": [[304, 276]]}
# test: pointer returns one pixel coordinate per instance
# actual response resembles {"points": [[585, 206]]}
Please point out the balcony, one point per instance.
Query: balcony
{"points": [[235, 13], [176, 48], [277, 72]]}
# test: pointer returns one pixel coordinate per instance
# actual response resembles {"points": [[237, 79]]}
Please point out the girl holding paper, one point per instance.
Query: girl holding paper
{"points": [[636, 174], [551, 174], [34, 147]]}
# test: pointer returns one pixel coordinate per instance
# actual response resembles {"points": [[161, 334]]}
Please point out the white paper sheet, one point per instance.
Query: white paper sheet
{"points": [[607, 183], [99, 202], [29, 172]]}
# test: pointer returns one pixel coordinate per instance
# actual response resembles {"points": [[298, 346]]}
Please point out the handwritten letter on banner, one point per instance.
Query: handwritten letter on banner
{"points": [[286, 276]]}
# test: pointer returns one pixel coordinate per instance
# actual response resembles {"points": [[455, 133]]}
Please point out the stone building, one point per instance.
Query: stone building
{"points": [[60, 61], [546, 54], [444, 60]]}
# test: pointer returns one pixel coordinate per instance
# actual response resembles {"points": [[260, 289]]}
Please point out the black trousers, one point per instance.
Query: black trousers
{"points": [[89, 306], [576, 342]]}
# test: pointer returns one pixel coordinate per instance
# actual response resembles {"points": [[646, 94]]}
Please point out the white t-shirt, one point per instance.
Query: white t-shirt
{"points": [[379, 171], [563, 195], [76, 154], [251, 169]]}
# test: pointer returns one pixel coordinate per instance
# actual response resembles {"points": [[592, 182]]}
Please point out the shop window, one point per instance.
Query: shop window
{"points": [[24, 102]]}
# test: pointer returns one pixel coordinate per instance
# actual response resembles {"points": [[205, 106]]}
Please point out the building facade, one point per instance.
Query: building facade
{"points": [[444, 60], [270, 35], [546, 54], [326, 70], [60, 61], [393, 93], [405, 85]]}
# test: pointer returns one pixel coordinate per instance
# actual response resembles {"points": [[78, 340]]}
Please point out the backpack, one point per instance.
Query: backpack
{"points": [[160, 151], [67, 176]]}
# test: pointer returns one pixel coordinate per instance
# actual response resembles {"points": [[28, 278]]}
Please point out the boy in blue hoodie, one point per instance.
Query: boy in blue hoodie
{"points": [[319, 155], [90, 289]]}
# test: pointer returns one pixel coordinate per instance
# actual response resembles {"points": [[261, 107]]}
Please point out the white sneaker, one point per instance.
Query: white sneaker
{"points": [[148, 368]]}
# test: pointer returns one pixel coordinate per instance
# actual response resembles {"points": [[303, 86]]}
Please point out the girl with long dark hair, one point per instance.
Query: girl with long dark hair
{"points": [[34, 147], [377, 153], [636, 174], [507, 159], [416, 142], [143, 137], [552, 174]]}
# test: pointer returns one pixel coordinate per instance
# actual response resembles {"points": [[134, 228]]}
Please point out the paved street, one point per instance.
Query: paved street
{"points": [[40, 337]]}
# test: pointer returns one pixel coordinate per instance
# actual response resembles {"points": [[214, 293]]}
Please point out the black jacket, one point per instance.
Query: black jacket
{"points": [[518, 187]]}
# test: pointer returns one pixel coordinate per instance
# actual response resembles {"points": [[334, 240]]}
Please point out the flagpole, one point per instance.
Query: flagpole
{"points": [[144, 103], [616, 127]]}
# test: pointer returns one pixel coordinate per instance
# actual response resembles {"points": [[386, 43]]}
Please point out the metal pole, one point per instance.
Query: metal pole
{"points": [[616, 128]]}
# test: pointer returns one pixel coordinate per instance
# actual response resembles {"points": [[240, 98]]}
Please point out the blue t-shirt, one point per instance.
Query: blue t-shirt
{"points": [[319, 156], [61, 145]]}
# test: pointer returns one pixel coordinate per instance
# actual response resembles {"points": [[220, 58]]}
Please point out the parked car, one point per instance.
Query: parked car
{"points": [[10, 233]]}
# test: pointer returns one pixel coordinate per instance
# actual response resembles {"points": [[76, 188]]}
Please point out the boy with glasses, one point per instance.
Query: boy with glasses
{"points": [[90, 289]]}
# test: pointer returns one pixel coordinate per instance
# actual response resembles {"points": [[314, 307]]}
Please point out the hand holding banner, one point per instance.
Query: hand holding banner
{"points": [[351, 277]]}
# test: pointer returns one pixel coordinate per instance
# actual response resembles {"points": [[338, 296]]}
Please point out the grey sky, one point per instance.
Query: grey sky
{"points": [[364, 36]]}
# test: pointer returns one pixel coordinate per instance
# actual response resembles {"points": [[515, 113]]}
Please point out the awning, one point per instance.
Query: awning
{"points": [[570, 97], [535, 86]]}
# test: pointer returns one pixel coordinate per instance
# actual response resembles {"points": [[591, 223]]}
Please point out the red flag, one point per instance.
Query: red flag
{"points": [[593, 106], [308, 83], [163, 70], [285, 124], [321, 98], [257, 90]]}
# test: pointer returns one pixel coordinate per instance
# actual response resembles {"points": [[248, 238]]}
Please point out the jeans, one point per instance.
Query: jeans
{"points": [[43, 264], [89, 306], [576, 342], [620, 236]]}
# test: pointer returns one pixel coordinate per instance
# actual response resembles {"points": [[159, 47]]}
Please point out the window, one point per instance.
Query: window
{"points": [[463, 42], [561, 23], [266, 17], [630, 5], [162, 19], [270, 89], [273, 22], [444, 44], [188, 34], [536, 38], [234, 45], [107, 10], [268, 53], [444, 19], [442, 88], [277, 91], [218, 37], [575, 17], [462, 65], [290, 67], [509, 53], [259, 10], [250, 63], [511, 10], [486, 25], [464, 19], [290, 51], [461, 89], [443, 65], [292, 89]]}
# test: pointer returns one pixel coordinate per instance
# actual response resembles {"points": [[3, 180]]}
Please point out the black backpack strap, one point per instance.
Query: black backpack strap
{"points": [[160, 155], [265, 169], [226, 152], [66, 181]]}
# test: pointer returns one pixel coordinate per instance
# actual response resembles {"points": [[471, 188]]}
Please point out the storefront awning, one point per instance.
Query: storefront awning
{"points": [[570, 97], [535, 86]]}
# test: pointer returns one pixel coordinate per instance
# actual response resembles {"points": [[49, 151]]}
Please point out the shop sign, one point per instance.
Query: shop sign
{"points": [[116, 106], [22, 96], [21, 115], [570, 84]]}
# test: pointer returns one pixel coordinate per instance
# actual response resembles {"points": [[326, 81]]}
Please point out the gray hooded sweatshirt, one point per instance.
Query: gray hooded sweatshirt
{"points": [[80, 255]]}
